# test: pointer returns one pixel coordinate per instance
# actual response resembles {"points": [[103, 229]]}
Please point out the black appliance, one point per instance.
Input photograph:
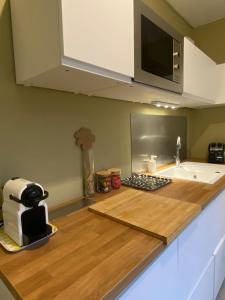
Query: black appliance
{"points": [[216, 153]]}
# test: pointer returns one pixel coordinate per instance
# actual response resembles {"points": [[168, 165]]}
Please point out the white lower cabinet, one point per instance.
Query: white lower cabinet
{"points": [[4, 292], [204, 288], [196, 245], [219, 257], [158, 281], [192, 267]]}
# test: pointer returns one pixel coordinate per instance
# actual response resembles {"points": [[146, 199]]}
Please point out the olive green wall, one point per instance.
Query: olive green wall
{"points": [[208, 125], [37, 125], [210, 38]]}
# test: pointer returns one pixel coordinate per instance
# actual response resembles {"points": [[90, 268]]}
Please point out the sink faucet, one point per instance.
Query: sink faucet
{"points": [[177, 156]]}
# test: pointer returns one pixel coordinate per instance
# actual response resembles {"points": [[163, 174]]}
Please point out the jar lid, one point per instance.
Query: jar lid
{"points": [[115, 171], [103, 173]]}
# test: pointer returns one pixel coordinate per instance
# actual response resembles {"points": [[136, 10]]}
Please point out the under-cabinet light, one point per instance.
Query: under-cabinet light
{"points": [[165, 104]]}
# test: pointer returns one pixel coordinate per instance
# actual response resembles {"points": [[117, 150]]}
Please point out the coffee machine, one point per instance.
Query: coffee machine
{"points": [[25, 212]]}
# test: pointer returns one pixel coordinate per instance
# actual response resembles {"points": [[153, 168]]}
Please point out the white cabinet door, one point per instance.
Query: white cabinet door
{"points": [[80, 46], [219, 256], [158, 281], [198, 242], [219, 223], [100, 33], [204, 286], [200, 73]]}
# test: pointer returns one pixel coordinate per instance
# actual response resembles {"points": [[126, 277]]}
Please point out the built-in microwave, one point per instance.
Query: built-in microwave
{"points": [[158, 51]]}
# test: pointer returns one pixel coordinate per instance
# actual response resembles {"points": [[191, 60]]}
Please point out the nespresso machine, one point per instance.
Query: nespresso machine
{"points": [[25, 213], [216, 153]]}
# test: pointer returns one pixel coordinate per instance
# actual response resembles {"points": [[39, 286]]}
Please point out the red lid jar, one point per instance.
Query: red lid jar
{"points": [[115, 178]]}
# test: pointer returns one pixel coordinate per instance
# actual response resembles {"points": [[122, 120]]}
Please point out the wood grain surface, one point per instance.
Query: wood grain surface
{"points": [[158, 216], [182, 190], [90, 257]]}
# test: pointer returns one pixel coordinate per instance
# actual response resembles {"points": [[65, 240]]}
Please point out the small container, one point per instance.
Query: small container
{"points": [[103, 182], [153, 164], [115, 178]]}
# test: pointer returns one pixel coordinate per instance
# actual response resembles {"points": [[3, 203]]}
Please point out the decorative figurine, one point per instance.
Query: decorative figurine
{"points": [[85, 139]]}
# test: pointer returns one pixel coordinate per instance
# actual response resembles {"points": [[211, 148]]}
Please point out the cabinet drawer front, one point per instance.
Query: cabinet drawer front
{"points": [[158, 281], [198, 242], [205, 285], [219, 256]]}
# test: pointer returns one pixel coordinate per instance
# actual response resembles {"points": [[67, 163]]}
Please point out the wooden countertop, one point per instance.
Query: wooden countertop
{"points": [[92, 257]]}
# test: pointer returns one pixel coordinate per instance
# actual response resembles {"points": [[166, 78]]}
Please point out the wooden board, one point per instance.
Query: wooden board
{"points": [[161, 217]]}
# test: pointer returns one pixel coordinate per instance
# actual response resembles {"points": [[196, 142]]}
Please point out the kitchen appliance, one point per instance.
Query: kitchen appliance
{"points": [[216, 153], [158, 51], [146, 182], [25, 213]]}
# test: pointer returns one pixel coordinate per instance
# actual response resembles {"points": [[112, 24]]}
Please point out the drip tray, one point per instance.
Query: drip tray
{"points": [[60, 212]]}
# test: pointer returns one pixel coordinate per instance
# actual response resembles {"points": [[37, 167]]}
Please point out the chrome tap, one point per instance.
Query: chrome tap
{"points": [[177, 156]]}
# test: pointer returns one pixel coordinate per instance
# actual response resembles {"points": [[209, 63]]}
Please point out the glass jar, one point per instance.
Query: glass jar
{"points": [[103, 182], [115, 178]]}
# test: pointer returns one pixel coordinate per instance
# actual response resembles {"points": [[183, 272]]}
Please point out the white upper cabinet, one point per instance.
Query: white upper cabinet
{"points": [[99, 33], [200, 74], [73, 45], [87, 47]]}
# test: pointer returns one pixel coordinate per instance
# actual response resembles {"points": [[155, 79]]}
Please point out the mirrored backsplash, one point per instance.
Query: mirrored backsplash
{"points": [[156, 135]]}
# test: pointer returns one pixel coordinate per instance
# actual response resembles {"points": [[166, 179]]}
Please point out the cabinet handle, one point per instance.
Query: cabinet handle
{"points": [[176, 54], [176, 66]]}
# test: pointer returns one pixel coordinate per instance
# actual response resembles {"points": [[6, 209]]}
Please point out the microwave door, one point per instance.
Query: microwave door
{"points": [[158, 51]]}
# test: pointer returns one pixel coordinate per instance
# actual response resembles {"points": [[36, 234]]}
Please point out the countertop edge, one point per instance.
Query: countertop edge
{"points": [[10, 287]]}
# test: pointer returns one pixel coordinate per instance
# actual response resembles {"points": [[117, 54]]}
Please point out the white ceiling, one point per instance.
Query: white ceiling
{"points": [[199, 12]]}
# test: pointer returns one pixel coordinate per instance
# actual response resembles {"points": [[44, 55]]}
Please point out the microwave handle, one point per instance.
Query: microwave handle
{"points": [[176, 61]]}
